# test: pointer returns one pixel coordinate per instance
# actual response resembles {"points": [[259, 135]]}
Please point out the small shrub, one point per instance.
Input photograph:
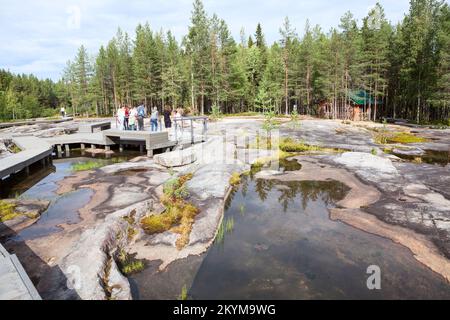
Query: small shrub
{"points": [[127, 264], [158, 223], [7, 211], [133, 267], [373, 151], [295, 119], [131, 232], [216, 114], [235, 179], [269, 121], [130, 218], [179, 215], [174, 189]]}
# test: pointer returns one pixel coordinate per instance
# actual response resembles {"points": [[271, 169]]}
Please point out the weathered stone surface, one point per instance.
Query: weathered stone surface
{"points": [[366, 161], [176, 158], [212, 180], [85, 264], [409, 151], [205, 226], [124, 166], [126, 195]]}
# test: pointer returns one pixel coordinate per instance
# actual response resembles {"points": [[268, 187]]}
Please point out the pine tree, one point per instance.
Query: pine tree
{"points": [[288, 35], [197, 46]]}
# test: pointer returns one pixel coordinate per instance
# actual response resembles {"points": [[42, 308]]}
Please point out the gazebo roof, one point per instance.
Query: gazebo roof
{"points": [[361, 97]]}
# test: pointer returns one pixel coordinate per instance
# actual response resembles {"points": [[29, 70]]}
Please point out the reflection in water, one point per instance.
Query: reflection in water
{"points": [[430, 156], [63, 209], [282, 245], [41, 183]]}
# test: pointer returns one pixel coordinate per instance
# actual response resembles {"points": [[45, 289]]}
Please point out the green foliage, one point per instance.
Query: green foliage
{"points": [[404, 137], [235, 179], [291, 145], [295, 119], [127, 264], [270, 123], [184, 293], [383, 136], [216, 114], [179, 214], [7, 211]]}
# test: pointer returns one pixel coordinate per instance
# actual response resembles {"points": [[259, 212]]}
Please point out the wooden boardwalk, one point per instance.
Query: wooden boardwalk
{"points": [[33, 150], [14, 281], [153, 140], [36, 149]]}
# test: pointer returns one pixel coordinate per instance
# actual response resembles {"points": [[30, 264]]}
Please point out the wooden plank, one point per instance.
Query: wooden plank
{"points": [[90, 126]]}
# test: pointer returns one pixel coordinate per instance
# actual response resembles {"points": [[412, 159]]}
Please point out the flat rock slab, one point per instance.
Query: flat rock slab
{"points": [[212, 180], [176, 158]]}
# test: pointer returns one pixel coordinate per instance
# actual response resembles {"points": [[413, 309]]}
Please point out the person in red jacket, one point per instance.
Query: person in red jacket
{"points": [[127, 116]]}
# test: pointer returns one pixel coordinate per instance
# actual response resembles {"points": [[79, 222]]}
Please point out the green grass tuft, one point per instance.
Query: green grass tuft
{"points": [[184, 293]]}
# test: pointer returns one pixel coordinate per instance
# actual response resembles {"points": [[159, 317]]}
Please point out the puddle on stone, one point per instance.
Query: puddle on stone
{"points": [[64, 209], [278, 242], [282, 165], [430, 157], [42, 183]]}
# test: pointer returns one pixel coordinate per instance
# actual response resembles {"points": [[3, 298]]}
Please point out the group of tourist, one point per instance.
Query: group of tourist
{"points": [[132, 118]]}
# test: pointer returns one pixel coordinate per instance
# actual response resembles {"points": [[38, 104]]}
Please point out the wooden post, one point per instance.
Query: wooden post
{"points": [[107, 148], [67, 150], [149, 153], [92, 147], [59, 150], [120, 147], [82, 146]]}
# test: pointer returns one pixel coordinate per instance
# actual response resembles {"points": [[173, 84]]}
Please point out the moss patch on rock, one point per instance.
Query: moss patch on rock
{"points": [[179, 215], [8, 211]]}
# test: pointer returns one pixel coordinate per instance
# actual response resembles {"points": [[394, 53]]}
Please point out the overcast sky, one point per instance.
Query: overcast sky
{"points": [[39, 36]]}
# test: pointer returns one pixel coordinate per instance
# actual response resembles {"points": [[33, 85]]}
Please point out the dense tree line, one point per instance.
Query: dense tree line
{"points": [[405, 68], [25, 96]]}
